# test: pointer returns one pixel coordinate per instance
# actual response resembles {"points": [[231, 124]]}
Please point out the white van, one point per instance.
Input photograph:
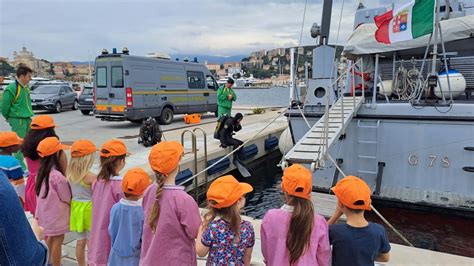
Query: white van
{"points": [[128, 87]]}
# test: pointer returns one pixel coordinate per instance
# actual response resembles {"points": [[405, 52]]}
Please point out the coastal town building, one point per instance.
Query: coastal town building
{"points": [[41, 67]]}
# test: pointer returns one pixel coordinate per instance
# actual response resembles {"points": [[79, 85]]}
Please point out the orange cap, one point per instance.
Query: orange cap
{"points": [[135, 181], [165, 156], [297, 181], [113, 147], [9, 138], [50, 146], [353, 192], [42, 122], [226, 191], [82, 147]]}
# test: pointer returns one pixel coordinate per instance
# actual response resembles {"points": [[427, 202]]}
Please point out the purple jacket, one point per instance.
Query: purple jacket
{"points": [[52, 212], [104, 195], [274, 231], [173, 242]]}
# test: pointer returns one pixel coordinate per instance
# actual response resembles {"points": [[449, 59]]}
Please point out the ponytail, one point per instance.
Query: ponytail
{"points": [[301, 227], [155, 211]]}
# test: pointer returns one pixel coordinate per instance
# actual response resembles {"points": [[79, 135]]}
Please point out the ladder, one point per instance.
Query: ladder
{"points": [[194, 150], [369, 144], [317, 141]]}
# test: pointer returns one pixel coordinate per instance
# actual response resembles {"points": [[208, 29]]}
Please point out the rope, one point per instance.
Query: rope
{"points": [[375, 210], [232, 152]]}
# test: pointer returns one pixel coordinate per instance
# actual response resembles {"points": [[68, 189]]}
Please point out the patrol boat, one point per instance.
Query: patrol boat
{"points": [[412, 140]]}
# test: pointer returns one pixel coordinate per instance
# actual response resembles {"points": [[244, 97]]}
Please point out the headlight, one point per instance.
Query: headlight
{"points": [[49, 100]]}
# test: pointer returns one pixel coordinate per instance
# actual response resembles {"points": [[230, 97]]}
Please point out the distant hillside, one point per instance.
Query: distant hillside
{"points": [[211, 59]]}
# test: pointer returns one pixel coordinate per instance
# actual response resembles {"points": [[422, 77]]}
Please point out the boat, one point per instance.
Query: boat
{"points": [[400, 116]]}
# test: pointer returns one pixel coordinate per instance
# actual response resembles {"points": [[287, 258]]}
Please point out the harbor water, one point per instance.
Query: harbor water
{"points": [[273, 96], [423, 229]]}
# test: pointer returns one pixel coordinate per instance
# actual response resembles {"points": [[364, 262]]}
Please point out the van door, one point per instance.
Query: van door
{"points": [[211, 86], [117, 95], [198, 93], [109, 82]]}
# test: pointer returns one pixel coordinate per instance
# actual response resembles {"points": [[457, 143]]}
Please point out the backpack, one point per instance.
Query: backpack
{"points": [[150, 132], [219, 125]]}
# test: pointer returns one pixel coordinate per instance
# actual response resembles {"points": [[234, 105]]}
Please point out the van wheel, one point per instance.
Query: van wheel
{"points": [[58, 107], [166, 116]]}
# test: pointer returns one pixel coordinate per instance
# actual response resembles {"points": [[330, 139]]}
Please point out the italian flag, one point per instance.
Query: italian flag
{"points": [[409, 19]]}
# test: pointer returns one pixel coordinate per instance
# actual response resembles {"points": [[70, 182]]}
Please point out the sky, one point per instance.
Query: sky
{"points": [[77, 30]]}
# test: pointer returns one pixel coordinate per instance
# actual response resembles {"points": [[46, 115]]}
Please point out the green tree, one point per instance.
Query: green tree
{"points": [[6, 69]]}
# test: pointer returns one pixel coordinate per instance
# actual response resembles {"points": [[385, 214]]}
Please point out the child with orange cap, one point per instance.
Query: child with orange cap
{"points": [[227, 238], [80, 179], [9, 144], [53, 195], [106, 191], [127, 218], [172, 216], [41, 127], [295, 234], [356, 242]]}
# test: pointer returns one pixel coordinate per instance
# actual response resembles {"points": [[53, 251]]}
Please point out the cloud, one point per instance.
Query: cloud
{"points": [[79, 29]]}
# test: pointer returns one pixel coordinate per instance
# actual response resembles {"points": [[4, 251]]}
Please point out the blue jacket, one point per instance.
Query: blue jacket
{"points": [[125, 229], [18, 244]]}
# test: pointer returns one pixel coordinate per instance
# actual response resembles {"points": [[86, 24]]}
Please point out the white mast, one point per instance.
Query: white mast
{"points": [[292, 75]]}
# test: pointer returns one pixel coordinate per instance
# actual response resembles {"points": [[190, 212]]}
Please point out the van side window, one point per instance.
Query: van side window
{"points": [[117, 77], [196, 80], [101, 77]]}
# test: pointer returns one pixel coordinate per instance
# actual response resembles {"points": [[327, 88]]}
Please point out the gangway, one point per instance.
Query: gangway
{"points": [[317, 141]]}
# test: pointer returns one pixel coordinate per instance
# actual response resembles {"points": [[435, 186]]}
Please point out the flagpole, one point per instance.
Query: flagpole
{"points": [[435, 47]]}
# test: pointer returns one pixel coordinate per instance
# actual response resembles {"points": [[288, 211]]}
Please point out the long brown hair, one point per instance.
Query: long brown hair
{"points": [[301, 227], [46, 165], [231, 214], [108, 167], [155, 211]]}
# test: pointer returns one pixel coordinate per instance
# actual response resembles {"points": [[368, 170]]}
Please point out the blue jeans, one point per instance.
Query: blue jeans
{"points": [[18, 244]]}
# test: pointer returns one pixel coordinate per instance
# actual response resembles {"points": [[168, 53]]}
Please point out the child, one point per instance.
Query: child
{"points": [[106, 191], [126, 220], [41, 127], [295, 234], [80, 179], [172, 217], [9, 144], [224, 235], [357, 242], [53, 196]]}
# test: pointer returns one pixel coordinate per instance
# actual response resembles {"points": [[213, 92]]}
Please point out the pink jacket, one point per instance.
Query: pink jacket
{"points": [[52, 212], [274, 231], [104, 195], [177, 227], [30, 194]]}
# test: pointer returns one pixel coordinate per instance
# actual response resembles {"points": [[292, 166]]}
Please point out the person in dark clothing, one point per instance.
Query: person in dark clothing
{"points": [[231, 125]]}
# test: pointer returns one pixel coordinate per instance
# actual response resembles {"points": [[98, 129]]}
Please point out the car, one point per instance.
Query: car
{"points": [[54, 97], [86, 100]]}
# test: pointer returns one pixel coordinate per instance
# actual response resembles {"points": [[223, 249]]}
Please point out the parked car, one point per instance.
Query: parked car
{"points": [[86, 100], [53, 97]]}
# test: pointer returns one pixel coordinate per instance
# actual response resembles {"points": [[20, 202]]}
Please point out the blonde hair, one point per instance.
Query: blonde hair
{"points": [[230, 214], [79, 167], [155, 211]]}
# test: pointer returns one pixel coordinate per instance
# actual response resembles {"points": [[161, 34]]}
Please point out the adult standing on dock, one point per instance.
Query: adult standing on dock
{"points": [[225, 96], [16, 106]]}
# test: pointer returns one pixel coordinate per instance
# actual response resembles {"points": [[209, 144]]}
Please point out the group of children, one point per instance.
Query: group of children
{"points": [[132, 220]]}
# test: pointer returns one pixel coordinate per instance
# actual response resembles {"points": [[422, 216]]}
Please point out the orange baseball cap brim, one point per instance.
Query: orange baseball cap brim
{"points": [[8, 139]]}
